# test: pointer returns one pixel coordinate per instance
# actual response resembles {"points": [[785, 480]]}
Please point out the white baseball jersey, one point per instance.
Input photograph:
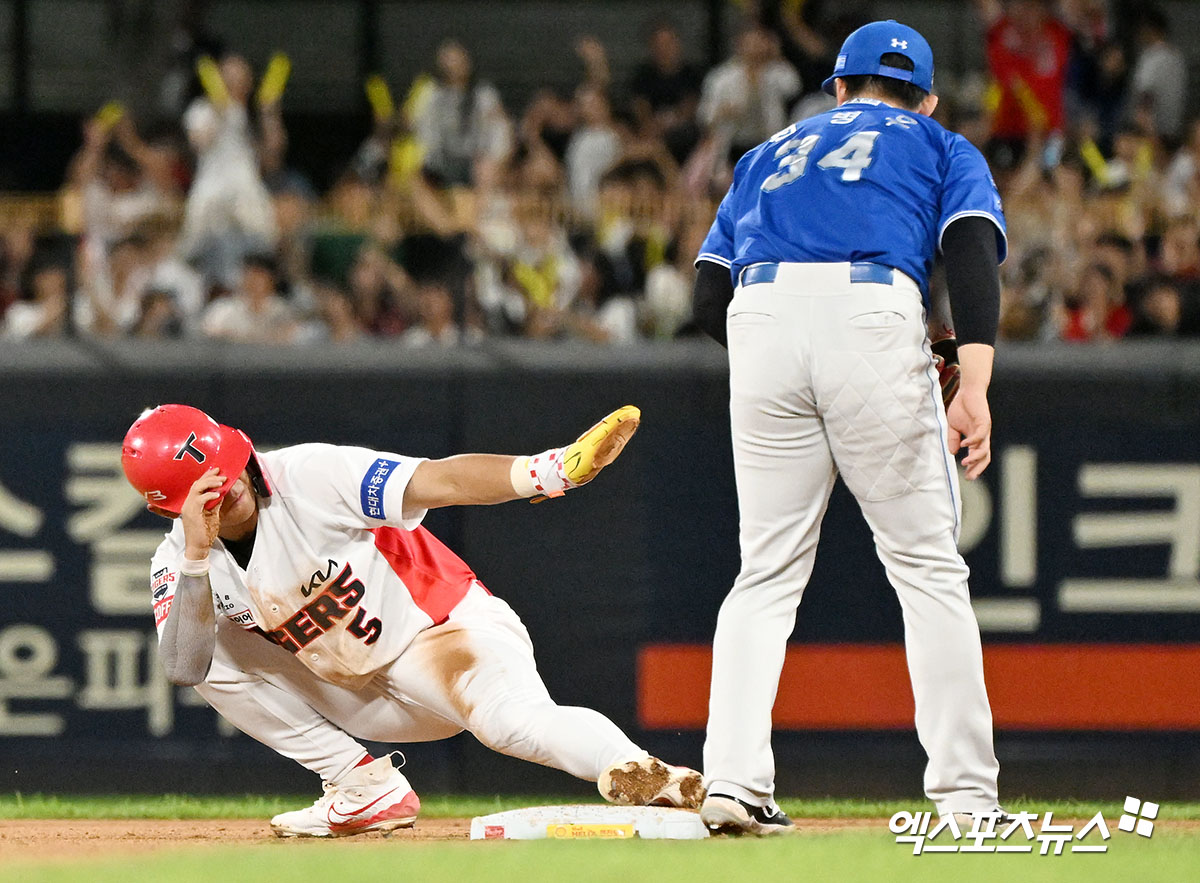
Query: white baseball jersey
{"points": [[340, 575]]}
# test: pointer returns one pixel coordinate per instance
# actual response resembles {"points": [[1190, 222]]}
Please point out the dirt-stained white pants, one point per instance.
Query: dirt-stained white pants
{"points": [[474, 672], [829, 376]]}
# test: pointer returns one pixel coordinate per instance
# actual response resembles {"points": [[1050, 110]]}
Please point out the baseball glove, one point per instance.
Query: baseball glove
{"points": [[582, 460], [945, 357]]}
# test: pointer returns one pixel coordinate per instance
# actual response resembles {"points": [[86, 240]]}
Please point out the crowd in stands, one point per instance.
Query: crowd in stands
{"points": [[579, 215]]}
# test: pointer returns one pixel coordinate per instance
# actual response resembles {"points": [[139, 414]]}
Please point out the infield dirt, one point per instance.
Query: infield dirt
{"points": [[75, 838]]}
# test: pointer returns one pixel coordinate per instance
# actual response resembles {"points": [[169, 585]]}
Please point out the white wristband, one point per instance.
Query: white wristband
{"points": [[194, 568]]}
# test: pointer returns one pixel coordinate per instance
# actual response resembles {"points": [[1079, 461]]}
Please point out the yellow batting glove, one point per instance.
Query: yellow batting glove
{"points": [[552, 473]]}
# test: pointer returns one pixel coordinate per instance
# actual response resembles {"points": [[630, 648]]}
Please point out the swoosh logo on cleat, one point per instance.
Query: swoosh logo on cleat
{"points": [[350, 815], [397, 815]]}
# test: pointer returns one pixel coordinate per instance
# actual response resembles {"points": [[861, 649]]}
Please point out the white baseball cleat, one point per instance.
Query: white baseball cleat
{"points": [[651, 782], [372, 797]]}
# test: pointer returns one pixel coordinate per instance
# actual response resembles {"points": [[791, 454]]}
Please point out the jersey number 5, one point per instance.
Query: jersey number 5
{"points": [[851, 157]]}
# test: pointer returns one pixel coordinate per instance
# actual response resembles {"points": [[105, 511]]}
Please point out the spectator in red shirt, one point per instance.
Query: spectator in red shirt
{"points": [[1096, 310], [1028, 52]]}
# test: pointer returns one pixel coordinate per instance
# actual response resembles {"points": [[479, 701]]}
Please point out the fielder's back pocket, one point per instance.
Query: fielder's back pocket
{"points": [[878, 330], [878, 319]]}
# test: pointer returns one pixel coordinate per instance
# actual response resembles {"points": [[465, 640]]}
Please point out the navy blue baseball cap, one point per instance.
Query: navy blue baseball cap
{"points": [[862, 50]]}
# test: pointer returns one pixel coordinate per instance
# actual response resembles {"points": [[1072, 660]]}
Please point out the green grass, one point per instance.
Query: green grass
{"points": [[864, 856], [254, 806]]}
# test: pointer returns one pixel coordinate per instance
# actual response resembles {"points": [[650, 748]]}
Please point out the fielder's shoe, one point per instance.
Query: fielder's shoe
{"points": [[723, 814], [650, 782], [372, 797]]}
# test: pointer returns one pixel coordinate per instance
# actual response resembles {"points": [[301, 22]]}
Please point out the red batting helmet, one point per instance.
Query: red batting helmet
{"points": [[167, 448]]}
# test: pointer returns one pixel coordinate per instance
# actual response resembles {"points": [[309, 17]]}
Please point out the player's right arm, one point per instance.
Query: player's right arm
{"points": [[364, 488], [188, 635], [486, 479], [712, 291]]}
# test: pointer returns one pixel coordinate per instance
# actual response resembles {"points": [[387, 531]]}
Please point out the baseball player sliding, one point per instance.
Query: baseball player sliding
{"points": [[370, 624], [815, 273]]}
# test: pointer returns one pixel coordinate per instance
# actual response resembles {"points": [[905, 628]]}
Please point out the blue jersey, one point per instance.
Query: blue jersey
{"points": [[864, 182]]}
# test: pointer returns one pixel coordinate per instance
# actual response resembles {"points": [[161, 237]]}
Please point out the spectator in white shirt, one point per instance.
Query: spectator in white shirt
{"points": [[228, 212], [1159, 82], [169, 274], [255, 313], [435, 324], [745, 100], [1181, 181], [44, 312], [594, 148], [110, 296], [462, 121], [122, 181]]}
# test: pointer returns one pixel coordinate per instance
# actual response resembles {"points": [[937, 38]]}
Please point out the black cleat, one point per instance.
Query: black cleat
{"points": [[723, 814]]}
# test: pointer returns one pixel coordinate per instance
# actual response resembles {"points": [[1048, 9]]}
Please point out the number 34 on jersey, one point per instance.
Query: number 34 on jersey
{"points": [[852, 156]]}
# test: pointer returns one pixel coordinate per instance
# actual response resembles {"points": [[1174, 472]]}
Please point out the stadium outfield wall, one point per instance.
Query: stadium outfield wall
{"points": [[1083, 539]]}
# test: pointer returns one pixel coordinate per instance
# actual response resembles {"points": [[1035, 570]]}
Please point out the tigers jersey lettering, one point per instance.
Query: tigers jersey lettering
{"points": [[343, 578]]}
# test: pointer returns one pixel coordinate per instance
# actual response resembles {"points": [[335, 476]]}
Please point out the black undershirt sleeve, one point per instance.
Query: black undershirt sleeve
{"points": [[969, 253], [711, 295]]}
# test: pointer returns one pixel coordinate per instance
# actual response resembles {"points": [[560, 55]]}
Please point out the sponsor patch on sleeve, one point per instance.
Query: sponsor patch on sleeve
{"points": [[245, 619], [373, 483], [161, 610], [160, 583]]}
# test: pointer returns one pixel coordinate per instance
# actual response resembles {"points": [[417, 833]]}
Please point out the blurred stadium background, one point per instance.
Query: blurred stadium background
{"points": [[441, 226]]}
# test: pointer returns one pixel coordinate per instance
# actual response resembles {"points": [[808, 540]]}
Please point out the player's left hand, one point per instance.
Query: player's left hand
{"points": [[598, 447]]}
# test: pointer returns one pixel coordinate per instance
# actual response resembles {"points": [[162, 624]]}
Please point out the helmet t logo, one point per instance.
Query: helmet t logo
{"points": [[190, 449]]}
